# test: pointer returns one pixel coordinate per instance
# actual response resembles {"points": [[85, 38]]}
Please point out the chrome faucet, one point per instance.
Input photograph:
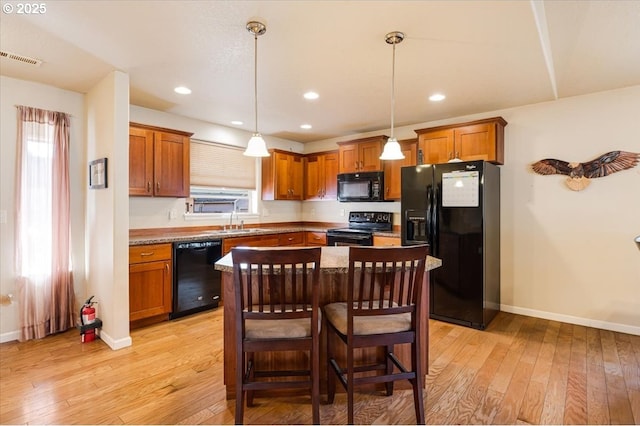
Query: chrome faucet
{"points": [[231, 220]]}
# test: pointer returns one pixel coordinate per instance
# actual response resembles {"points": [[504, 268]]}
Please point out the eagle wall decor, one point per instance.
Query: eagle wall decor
{"points": [[580, 173]]}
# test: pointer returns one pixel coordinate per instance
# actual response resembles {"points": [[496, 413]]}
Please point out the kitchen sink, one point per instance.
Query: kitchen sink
{"points": [[234, 231]]}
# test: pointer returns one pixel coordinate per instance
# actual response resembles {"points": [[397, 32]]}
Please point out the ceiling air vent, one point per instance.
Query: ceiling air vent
{"points": [[20, 58]]}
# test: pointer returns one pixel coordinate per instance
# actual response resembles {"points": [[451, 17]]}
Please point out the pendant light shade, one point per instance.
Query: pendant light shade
{"points": [[392, 150], [256, 146]]}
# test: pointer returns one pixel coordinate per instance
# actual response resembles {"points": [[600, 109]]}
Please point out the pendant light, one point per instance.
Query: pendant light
{"points": [[256, 146], [392, 150]]}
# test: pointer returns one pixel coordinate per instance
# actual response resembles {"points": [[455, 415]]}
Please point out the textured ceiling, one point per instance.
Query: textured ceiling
{"points": [[484, 55]]}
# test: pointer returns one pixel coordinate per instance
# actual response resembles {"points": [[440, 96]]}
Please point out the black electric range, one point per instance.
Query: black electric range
{"points": [[362, 225]]}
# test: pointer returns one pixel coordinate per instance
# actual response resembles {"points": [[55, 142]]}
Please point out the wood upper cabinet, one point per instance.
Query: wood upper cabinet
{"points": [[158, 161], [282, 176], [361, 155], [150, 281], [320, 173], [392, 175], [476, 140]]}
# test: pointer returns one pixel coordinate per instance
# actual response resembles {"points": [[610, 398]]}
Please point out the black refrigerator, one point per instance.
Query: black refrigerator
{"points": [[455, 207]]}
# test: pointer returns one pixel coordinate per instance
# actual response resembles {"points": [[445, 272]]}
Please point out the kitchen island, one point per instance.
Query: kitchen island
{"points": [[334, 265]]}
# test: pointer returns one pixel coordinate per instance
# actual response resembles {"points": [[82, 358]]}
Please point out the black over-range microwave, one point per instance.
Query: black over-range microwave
{"points": [[365, 186]]}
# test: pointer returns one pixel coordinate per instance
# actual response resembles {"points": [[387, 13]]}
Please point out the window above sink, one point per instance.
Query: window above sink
{"points": [[204, 200]]}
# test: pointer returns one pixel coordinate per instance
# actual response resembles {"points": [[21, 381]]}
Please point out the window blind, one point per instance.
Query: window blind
{"points": [[221, 166]]}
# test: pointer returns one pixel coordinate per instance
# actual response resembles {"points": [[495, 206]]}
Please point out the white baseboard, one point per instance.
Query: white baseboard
{"points": [[587, 322], [9, 337], [115, 344]]}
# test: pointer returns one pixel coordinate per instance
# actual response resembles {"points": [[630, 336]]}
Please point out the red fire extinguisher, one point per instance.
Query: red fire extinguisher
{"points": [[88, 316]]}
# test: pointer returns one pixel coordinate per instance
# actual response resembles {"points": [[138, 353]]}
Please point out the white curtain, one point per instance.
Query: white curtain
{"points": [[43, 267]]}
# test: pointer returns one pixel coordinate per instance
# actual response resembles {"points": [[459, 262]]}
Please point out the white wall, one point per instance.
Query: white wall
{"points": [[107, 217], [570, 255], [20, 92]]}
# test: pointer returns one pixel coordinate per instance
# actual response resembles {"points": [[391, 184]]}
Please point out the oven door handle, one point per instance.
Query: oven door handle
{"points": [[349, 237]]}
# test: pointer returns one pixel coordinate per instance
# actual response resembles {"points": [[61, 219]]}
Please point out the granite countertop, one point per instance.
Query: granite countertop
{"points": [[333, 260], [169, 236]]}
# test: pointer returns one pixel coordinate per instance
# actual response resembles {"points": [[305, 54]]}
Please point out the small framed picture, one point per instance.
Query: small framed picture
{"points": [[98, 173]]}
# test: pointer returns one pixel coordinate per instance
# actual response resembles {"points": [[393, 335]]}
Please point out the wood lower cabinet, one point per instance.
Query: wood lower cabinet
{"points": [[384, 241], [269, 240], [313, 238], [320, 176], [361, 155], [392, 172], [150, 282], [476, 140], [291, 239], [282, 176], [159, 161], [249, 241]]}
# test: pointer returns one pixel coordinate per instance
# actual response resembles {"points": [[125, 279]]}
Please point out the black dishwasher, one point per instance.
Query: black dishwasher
{"points": [[196, 284]]}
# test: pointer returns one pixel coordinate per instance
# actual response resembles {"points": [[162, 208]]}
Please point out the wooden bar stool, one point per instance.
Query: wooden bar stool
{"points": [[276, 296], [383, 308]]}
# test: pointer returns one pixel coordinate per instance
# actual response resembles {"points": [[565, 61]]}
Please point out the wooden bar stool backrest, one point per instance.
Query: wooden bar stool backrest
{"points": [[385, 281], [277, 309], [383, 309]]}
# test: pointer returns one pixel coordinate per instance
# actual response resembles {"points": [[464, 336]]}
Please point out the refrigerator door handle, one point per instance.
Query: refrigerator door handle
{"points": [[428, 214], [434, 221]]}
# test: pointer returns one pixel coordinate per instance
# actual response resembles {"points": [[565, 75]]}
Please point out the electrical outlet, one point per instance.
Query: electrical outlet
{"points": [[265, 212], [173, 214], [341, 212]]}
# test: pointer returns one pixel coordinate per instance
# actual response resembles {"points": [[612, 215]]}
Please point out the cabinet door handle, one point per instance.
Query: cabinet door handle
{"points": [[458, 154], [146, 253], [158, 186], [166, 266], [148, 186]]}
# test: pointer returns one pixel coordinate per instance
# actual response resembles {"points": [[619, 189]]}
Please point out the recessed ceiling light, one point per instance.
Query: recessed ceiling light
{"points": [[311, 95], [305, 126], [437, 97], [237, 123], [182, 90]]}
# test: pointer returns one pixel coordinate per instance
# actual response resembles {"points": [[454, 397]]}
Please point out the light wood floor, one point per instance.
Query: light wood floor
{"points": [[520, 370]]}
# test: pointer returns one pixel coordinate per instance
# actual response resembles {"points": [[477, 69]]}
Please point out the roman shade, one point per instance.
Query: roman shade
{"points": [[221, 166]]}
